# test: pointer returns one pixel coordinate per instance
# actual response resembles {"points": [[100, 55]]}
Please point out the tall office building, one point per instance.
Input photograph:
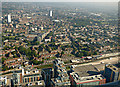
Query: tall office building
{"points": [[111, 73], [16, 80], [9, 18], [51, 13], [61, 78], [3, 81], [47, 74]]}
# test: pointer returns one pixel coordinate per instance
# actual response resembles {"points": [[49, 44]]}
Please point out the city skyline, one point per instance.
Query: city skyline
{"points": [[60, 1]]}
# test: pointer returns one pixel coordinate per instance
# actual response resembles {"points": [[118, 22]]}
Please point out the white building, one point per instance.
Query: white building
{"points": [[46, 40], [51, 13], [3, 81], [41, 28], [9, 18]]}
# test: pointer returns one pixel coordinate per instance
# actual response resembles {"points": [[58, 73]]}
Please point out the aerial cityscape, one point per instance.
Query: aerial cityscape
{"points": [[59, 44]]}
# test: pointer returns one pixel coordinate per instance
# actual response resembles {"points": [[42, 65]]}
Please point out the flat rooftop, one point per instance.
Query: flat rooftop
{"points": [[59, 80], [86, 70], [35, 83], [80, 80], [100, 67], [112, 67]]}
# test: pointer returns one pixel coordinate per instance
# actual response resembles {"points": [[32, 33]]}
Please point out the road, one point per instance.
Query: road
{"points": [[112, 60]]}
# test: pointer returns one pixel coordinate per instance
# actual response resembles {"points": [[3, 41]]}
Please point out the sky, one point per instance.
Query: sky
{"points": [[60, 0]]}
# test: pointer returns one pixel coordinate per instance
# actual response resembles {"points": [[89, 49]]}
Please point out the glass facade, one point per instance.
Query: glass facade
{"points": [[28, 79], [34, 78], [25, 79], [31, 79]]}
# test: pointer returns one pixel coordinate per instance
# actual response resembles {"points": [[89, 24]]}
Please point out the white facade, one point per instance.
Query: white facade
{"points": [[3, 79], [41, 28], [9, 18], [51, 13], [22, 71], [46, 40]]}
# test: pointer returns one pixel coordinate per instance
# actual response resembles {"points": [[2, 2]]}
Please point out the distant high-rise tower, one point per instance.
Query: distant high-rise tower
{"points": [[41, 28], [9, 18], [92, 31], [51, 13]]}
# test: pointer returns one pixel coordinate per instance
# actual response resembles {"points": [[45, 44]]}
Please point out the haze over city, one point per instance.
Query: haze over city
{"points": [[60, 0], [59, 43]]}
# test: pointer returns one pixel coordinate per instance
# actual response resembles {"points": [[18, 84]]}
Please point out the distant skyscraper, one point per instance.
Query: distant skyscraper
{"points": [[51, 13], [92, 31], [41, 28], [9, 18]]}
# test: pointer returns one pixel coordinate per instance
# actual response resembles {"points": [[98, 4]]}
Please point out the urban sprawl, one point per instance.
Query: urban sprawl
{"points": [[58, 45]]}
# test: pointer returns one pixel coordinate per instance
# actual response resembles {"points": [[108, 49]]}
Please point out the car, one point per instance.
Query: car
{"points": [[110, 58], [102, 62]]}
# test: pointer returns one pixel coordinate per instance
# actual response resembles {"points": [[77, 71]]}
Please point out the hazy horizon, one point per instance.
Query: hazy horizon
{"points": [[59, 1]]}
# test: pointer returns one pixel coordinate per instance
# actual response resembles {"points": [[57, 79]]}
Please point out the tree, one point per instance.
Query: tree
{"points": [[85, 53], [18, 54], [63, 48], [4, 68], [39, 62], [15, 56], [7, 55], [48, 49], [77, 54], [40, 49], [3, 59], [22, 50], [33, 53], [6, 47], [35, 42], [81, 54], [58, 54], [35, 62], [95, 53], [62, 53]]}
